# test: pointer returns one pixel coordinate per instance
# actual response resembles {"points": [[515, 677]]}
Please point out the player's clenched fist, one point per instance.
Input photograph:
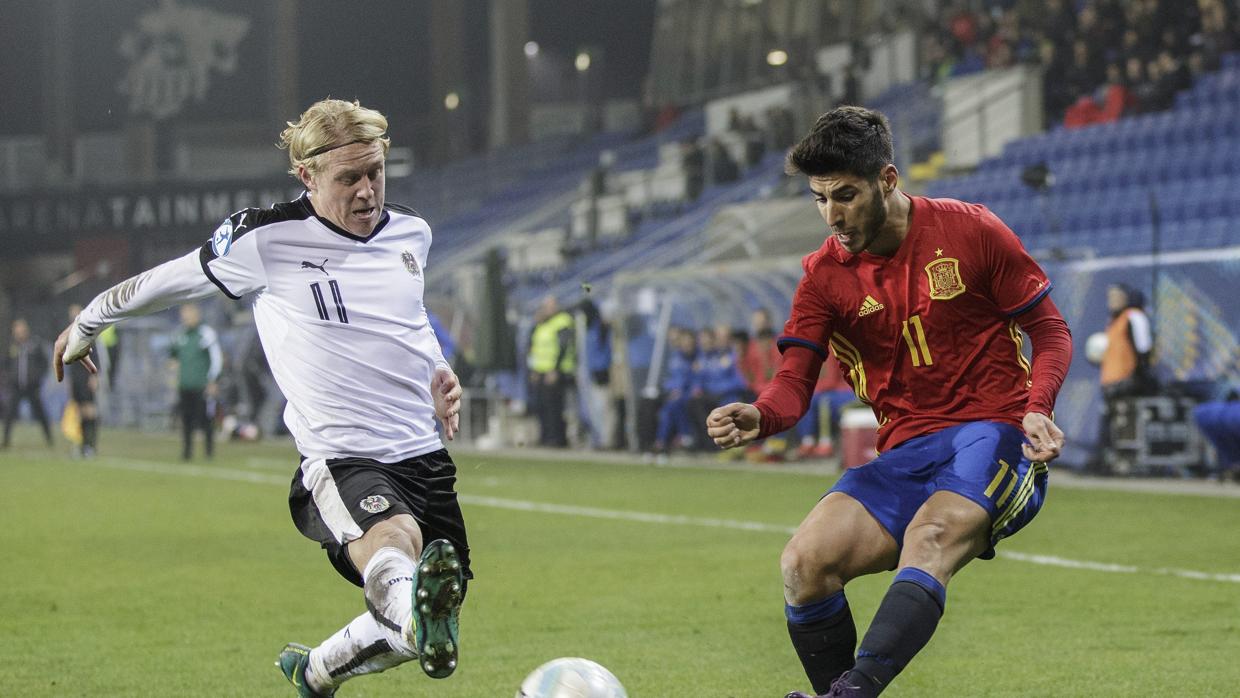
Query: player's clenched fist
{"points": [[733, 425]]}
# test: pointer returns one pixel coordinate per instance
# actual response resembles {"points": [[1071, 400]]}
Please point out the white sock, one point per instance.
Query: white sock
{"points": [[389, 595], [361, 647], [378, 639]]}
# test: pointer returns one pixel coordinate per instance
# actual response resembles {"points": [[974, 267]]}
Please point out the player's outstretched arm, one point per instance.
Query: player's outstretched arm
{"points": [[1045, 439], [446, 390], [733, 425], [172, 282]]}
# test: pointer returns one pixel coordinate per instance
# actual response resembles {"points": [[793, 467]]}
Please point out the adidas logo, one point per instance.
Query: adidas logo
{"points": [[868, 306]]}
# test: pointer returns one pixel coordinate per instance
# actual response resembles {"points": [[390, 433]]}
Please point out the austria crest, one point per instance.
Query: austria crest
{"points": [[945, 281], [375, 503], [411, 263]]}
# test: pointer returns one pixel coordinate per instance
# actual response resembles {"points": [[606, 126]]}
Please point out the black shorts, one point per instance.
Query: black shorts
{"points": [[79, 385], [335, 501]]}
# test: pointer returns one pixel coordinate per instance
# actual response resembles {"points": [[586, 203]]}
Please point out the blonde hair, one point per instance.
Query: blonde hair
{"points": [[329, 124]]}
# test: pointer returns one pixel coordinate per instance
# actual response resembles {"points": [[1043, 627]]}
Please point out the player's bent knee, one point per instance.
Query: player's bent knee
{"points": [[941, 544], [808, 576], [400, 531]]}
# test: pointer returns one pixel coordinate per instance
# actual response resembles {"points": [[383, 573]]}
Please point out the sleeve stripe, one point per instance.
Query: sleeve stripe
{"points": [[205, 256], [784, 342], [1032, 301]]}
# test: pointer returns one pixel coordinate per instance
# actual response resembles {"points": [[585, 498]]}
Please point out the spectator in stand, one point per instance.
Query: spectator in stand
{"points": [[821, 424], [1217, 36], [1050, 19], [720, 166], [780, 128], [1084, 74], [1158, 94], [693, 160], [1110, 101], [1076, 42], [679, 383], [1175, 71], [1056, 92]]}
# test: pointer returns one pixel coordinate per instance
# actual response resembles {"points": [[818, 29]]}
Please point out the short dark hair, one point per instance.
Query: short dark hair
{"points": [[854, 140]]}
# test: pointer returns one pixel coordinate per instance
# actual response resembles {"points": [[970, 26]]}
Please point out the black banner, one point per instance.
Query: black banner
{"points": [[48, 221], [169, 60]]}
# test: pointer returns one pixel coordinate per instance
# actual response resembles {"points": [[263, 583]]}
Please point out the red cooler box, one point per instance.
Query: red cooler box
{"points": [[858, 436]]}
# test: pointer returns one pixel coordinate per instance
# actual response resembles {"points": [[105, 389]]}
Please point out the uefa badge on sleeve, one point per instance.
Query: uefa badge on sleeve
{"points": [[221, 240], [375, 503]]}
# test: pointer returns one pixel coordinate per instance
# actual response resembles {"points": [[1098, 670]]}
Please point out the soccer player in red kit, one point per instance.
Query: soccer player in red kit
{"points": [[923, 302]]}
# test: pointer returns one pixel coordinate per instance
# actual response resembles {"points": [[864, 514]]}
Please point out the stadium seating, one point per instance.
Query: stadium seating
{"points": [[469, 201], [916, 115], [1112, 183], [655, 243]]}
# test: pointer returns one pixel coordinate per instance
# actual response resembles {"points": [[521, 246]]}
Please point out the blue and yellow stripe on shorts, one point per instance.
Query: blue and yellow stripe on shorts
{"points": [[1013, 492]]}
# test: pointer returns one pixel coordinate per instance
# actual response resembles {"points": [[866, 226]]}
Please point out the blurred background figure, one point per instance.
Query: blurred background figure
{"points": [[552, 361], [1125, 365], [196, 351], [820, 427], [1126, 368], [679, 385], [26, 366], [1219, 421], [723, 381], [759, 366], [109, 346], [83, 392], [594, 375]]}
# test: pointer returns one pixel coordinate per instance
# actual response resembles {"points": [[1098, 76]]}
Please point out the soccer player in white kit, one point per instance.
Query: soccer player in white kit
{"points": [[336, 281]]}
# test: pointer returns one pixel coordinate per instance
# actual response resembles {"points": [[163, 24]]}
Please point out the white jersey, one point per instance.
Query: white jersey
{"points": [[340, 318]]}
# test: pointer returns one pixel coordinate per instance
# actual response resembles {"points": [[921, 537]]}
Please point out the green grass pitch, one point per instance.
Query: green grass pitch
{"points": [[135, 575]]}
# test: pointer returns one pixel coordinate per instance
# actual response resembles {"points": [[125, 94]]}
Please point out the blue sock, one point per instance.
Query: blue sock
{"points": [[926, 581], [904, 623], [824, 636]]}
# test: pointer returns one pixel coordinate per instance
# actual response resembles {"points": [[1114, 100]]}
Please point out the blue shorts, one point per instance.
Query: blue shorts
{"points": [[978, 460]]}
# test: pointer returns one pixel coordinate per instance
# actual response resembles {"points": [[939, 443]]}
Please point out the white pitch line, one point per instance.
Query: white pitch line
{"points": [[186, 470], [1054, 561], [622, 515]]}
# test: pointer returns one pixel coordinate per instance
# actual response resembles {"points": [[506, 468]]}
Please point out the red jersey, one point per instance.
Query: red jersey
{"points": [[926, 337], [831, 378]]}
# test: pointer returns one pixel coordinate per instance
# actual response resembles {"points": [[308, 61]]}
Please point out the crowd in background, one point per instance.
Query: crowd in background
{"points": [[1101, 58], [618, 390]]}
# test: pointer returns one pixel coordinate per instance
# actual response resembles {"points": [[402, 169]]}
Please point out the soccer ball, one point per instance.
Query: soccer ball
{"points": [[1095, 347], [571, 677]]}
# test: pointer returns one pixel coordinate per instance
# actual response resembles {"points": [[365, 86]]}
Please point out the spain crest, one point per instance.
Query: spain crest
{"points": [[945, 281], [411, 263]]}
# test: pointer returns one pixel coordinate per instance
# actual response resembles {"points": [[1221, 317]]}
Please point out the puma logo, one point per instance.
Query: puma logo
{"points": [[312, 265]]}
